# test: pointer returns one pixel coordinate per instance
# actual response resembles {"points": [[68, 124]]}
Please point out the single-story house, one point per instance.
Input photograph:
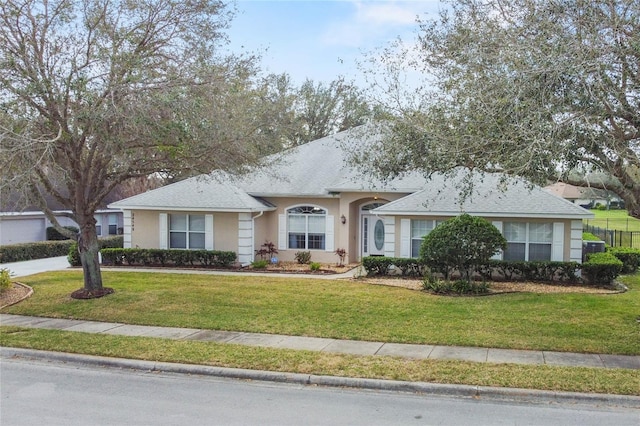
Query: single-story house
{"points": [[30, 226], [311, 199], [585, 196]]}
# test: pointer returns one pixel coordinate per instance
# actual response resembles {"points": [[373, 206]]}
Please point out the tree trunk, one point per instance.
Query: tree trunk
{"points": [[88, 249]]}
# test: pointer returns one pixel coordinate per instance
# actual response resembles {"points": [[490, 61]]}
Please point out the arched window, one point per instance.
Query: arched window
{"points": [[306, 227]]}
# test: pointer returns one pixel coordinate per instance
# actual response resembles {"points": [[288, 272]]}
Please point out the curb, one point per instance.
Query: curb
{"points": [[433, 389]]}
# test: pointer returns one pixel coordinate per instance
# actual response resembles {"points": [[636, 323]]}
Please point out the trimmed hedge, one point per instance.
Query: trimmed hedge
{"points": [[630, 258], [159, 257], [530, 271], [108, 242], [491, 270], [601, 268], [31, 251]]}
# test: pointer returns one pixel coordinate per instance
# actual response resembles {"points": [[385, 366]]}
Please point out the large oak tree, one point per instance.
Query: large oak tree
{"points": [[544, 89], [96, 92]]}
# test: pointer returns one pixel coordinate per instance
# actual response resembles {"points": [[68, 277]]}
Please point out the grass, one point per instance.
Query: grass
{"points": [[588, 323], [614, 219], [592, 380]]}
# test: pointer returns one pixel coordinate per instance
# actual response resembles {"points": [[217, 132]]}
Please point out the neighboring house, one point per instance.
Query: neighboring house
{"points": [[585, 197], [310, 199], [31, 226]]}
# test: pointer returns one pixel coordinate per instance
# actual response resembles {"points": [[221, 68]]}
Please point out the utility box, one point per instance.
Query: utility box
{"points": [[591, 247]]}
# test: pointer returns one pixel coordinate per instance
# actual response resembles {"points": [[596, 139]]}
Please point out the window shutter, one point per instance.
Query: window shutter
{"points": [[208, 232], [557, 247], [329, 241], [164, 231], [405, 237], [282, 232], [498, 225]]}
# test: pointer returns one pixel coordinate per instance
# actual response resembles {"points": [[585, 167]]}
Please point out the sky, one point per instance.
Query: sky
{"points": [[322, 40]]}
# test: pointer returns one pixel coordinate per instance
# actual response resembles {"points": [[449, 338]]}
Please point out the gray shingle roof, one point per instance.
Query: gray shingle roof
{"points": [[319, 167], [211, 193], [490, 196]]}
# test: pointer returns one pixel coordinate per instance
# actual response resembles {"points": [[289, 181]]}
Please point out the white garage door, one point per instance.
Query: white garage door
{"points": [[21, 231]]}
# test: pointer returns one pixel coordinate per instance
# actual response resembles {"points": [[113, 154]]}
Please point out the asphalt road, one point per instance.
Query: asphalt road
{"points": [[51, 393]]}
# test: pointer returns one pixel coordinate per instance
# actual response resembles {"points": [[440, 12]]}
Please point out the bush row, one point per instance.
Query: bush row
{"points": [[601, 268], [630, 258], [31, 251], [159, 257], [108, 242], [492, 270]]}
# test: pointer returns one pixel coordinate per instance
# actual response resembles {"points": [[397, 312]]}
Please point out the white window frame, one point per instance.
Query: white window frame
{"points": [[413, 236], [528, 240], [98, 225], [187, 231], [112, 224], [307, 211]]}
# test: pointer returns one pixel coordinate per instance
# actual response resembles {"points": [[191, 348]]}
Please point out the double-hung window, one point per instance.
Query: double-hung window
{"points": [[306, 227], [113, 224], [98, 225], [528, 241], [419, 229], [186, 231]]}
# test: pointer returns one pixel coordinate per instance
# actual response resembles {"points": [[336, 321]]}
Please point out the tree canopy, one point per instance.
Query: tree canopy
{"points": [[544, 89], [96, 92]]}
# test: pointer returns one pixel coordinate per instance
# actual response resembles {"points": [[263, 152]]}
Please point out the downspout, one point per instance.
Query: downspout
{"points": [[253, 233]]}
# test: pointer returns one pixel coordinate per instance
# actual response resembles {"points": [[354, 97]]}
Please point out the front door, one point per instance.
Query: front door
{"points": [[372, 235]]}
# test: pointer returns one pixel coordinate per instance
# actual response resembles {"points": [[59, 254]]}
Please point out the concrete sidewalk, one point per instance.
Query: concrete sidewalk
{"points": [[412, 351]]}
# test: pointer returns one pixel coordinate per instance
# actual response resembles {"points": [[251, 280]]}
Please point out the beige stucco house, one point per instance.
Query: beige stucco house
{"points": [[311, 199]]}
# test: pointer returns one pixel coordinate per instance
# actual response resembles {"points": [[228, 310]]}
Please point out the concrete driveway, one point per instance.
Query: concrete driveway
{"points": [[28, 267]]}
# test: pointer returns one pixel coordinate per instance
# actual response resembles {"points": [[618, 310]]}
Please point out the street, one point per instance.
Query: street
{"points": [[38, 392]]}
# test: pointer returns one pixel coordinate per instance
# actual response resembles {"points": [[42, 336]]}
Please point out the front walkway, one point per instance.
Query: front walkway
{"points": [[499, 356]]}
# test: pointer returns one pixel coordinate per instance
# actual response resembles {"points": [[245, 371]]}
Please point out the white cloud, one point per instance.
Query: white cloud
{"points": [[377, 21]]}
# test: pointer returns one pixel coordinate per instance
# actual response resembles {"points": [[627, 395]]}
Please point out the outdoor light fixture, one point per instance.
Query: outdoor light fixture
{"points": [[343, 219]]}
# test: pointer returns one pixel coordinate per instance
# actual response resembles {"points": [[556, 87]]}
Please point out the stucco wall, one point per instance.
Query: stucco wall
{"points": [[145, 229], [346, 236]]}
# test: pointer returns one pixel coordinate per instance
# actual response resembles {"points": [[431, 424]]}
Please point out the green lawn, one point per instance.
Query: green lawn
{"points": [[614, 219], [349, 310]]}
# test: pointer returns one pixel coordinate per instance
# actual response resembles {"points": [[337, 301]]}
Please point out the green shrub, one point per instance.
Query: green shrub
{"points": [[259, 264], [462, 243], [109, 242], [160, 257], [409, 267], [54, 235], [314, 266], [31, 251], [5, 279], [377, 265], [601, 268], [630, 258], [459, 287], [303, 257]]}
